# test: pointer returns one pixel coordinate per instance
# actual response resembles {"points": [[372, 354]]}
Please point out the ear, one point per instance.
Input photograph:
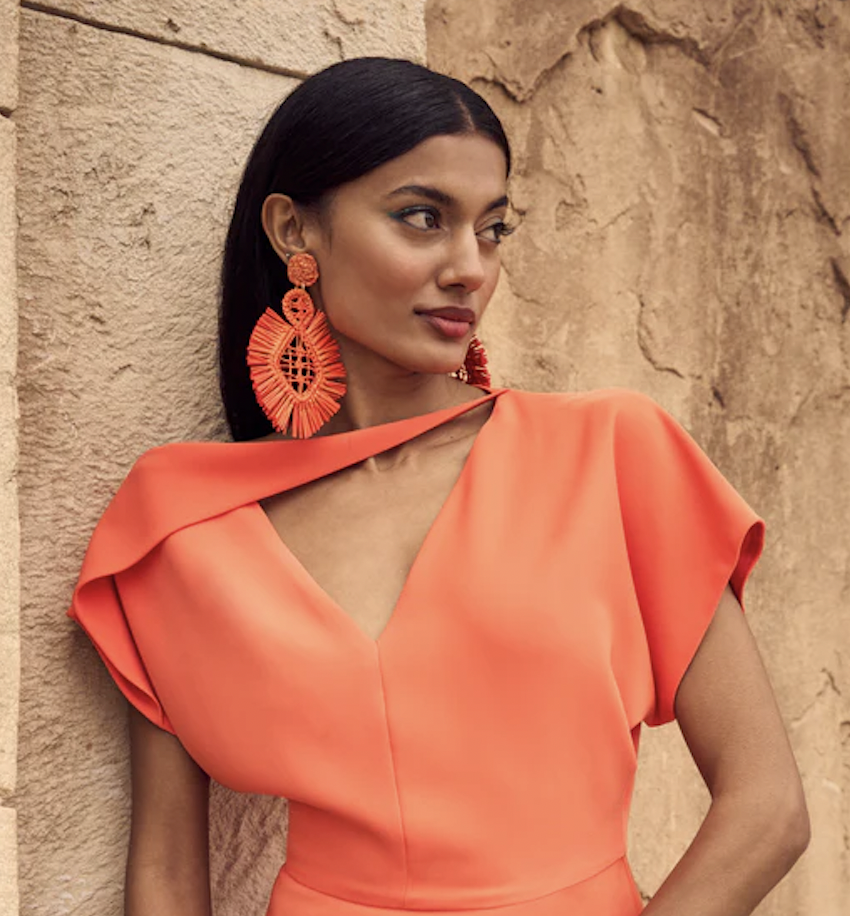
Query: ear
{"points": [[284, 224]]}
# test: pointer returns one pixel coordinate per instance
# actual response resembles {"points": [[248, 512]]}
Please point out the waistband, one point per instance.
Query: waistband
{"points": [[610, 892]]}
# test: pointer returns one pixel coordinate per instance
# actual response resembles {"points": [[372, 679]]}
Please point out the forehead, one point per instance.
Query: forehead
{"points": [[468, 167]]}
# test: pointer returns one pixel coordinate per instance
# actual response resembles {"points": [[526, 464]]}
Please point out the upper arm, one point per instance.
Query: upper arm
{"points": [[729, 717], [167, 866]]}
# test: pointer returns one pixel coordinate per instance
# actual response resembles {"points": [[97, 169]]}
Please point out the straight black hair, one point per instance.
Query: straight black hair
{"points": [[333, 128]]}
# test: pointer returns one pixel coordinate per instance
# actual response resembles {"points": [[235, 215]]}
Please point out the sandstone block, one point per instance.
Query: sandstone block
{"points": [[9, 11], [8, 863], [9, 534], [123, 205], [286, 34]]}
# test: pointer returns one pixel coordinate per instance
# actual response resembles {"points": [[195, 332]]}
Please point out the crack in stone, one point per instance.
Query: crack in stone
{"points": [[843, 286], [798, 134], [644, 338], [48, 10], [639, 27], [801, 143], [829, 686], [823, 214], [615, 218], [514, 90], [633, 22]]}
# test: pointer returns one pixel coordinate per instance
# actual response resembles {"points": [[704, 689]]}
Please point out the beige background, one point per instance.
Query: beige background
{"points": [[684, 183]]}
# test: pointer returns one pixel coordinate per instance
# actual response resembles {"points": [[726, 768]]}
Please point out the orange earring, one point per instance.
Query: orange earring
{"points": [[296, 370], [474, 370]]}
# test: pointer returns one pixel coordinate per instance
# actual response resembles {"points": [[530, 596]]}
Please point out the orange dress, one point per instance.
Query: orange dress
{"points": [[480, 753]]}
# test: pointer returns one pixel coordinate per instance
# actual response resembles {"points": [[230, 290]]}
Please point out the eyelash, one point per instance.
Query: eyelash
{"points": [[502, 228]]}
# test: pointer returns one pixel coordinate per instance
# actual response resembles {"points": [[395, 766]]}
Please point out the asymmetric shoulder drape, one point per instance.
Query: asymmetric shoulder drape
{"points": [[480, 753]]}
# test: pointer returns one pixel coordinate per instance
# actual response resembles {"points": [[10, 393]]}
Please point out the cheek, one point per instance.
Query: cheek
{"points": [[378, 270]]}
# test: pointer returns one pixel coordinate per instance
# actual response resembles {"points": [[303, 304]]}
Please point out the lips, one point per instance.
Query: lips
{"points": [[452, 321], [450, 313]]}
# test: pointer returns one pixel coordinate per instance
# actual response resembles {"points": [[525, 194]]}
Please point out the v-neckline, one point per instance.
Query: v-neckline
{"points": [[376, 642]]}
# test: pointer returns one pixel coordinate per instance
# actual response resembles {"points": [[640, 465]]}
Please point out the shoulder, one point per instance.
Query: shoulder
{"points": [[167, 488], [157, 469], [172, 463], [165, 477], [595, 399], [170, 454], [615, 409]]}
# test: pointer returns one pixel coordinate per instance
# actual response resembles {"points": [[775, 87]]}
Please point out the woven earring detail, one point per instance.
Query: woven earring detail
{"points": [[296, 370], [474, 370]]}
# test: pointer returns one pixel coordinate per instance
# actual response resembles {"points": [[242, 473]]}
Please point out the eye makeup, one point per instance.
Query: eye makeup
{"points": [[501, 228]]}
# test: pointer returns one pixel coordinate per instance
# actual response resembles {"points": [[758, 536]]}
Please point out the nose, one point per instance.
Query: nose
{"points": [[464, 266]]}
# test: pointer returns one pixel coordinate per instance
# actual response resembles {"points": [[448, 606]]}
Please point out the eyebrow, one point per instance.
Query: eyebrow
{"points": [[441, 197]]}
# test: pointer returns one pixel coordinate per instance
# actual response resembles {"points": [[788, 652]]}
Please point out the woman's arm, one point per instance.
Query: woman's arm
{"points": [[168, 861], [757, 825]]}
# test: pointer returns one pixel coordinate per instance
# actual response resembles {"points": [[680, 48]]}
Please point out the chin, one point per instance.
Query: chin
{"points": [[437, 367], [428, 359]]}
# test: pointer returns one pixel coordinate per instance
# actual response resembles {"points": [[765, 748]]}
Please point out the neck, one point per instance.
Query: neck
{"points": [[368, 404], [379, 392]]}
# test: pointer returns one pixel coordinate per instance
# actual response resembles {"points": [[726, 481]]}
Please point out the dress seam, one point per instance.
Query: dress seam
{"points": [[404, 850], [622, 857]]}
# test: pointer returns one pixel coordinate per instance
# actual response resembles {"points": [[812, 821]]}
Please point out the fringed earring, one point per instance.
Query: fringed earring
{"points": [[296, 370], [474, 370]]}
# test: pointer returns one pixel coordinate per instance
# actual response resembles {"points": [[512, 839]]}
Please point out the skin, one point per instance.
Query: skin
{"points": [[383, 255]]}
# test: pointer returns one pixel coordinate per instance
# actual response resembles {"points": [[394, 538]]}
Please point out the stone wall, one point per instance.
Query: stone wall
{"points": [[683, 178], [9, 539], [684, 189], [134, 121]]}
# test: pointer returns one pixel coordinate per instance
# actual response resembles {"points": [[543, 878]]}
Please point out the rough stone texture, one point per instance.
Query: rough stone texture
{"points": [[9, 533], [129, 157], [8, 54], [8, 864], [9, 539], [289, 35], [684, 186]]}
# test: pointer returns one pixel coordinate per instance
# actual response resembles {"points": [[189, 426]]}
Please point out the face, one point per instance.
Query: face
{"points": [[409, 254]]}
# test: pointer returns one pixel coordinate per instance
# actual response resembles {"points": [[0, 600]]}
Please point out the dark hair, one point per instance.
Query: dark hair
{"points": [[333, 128]]}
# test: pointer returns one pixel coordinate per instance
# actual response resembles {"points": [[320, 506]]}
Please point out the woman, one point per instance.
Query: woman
{"points": [[431, 613]]}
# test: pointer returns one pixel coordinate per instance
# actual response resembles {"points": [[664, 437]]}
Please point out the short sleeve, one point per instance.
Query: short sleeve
{"points": [[97, 608], [688, 533], [125, 533]]}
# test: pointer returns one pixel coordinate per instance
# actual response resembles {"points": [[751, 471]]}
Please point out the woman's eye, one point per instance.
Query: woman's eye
{"points": [[425, 218], [498, 231], [419, 219]]}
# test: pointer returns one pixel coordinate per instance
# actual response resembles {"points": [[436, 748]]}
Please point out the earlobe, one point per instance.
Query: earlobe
{"points": [[283, 224]]}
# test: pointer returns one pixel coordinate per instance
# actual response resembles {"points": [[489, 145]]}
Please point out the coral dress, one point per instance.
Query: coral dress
{"points": [[480, 753]]}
